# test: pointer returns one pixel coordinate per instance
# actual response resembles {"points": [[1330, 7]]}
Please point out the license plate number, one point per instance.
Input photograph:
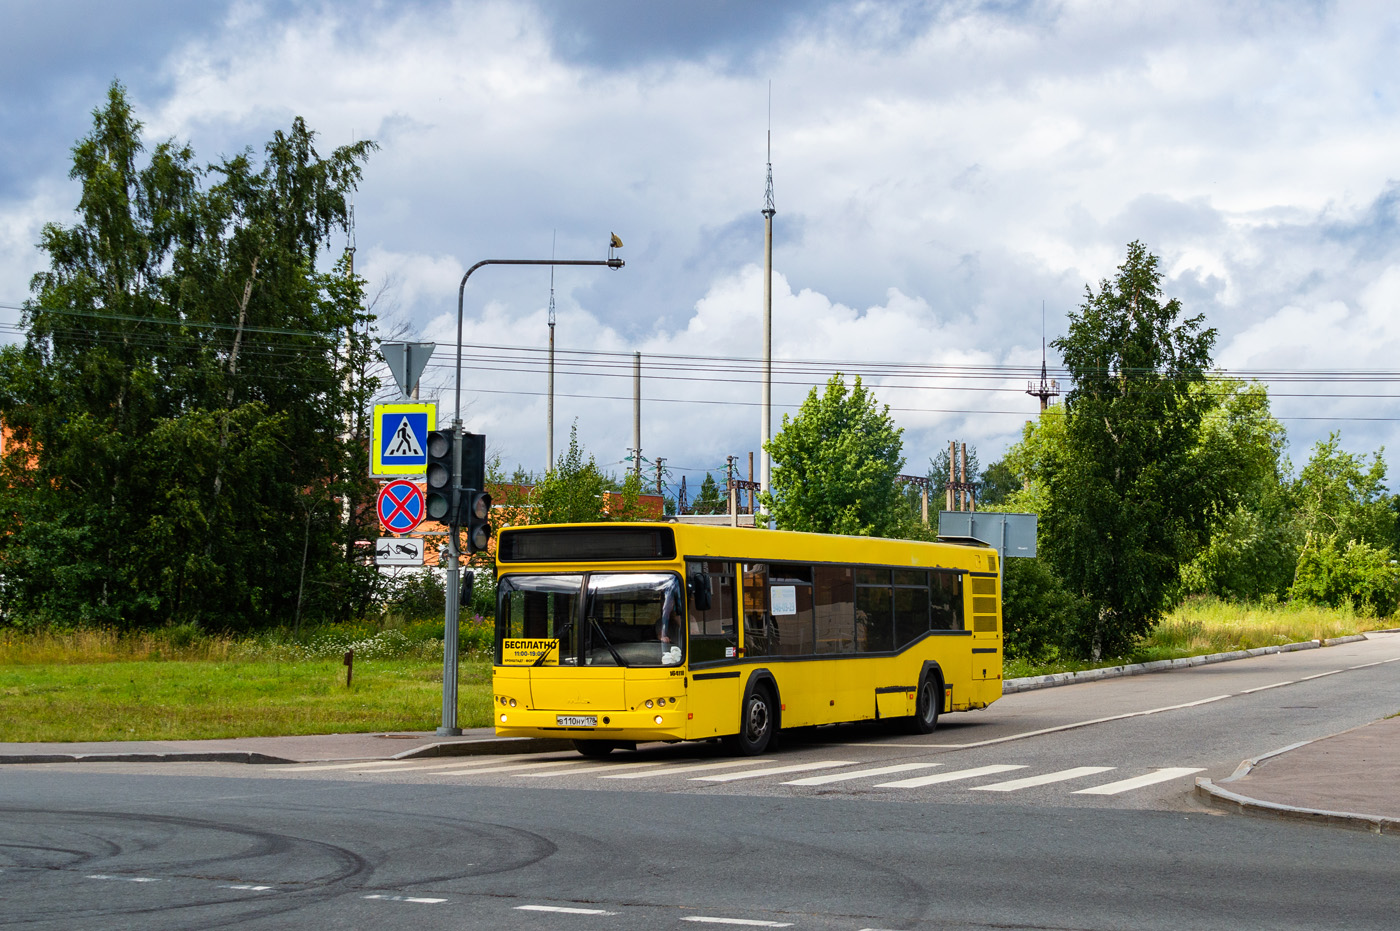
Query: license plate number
{"points": [[576, 720]]}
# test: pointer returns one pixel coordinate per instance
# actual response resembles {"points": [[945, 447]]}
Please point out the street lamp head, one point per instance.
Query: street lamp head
{"points": [[615, 263]]}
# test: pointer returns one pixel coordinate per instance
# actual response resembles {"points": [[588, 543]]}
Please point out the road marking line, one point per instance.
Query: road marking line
{"points": [[561, 910], [125, 879], [247, 888], [1321, 674], [676, 770], [1027, 782], [508, 768], [750, 922], [1070, 727], [1364, 665], [1266, 687], [918, 781], [416, 900], [1138, 782], [773, 771], [841, 777]]}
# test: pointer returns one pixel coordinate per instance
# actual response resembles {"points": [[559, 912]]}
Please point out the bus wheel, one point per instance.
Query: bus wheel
{"points": [[755, 724], [595, 748], [925, 717]]}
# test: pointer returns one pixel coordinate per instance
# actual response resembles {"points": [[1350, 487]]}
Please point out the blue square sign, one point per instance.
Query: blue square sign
{"points": [[400, 440]]}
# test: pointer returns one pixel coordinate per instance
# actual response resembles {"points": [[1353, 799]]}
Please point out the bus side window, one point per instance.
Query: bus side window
{"points": [[834, 603], [911, 616], [874, 611], [756, 617], [713, 633], [947, 601], [790, 591]]}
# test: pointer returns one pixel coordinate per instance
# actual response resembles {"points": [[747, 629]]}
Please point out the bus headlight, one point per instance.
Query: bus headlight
{"points": [[657, 719], [503, 719], [512, 703], [649, 702]]}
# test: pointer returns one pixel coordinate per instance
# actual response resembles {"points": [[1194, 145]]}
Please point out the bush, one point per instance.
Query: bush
{"points": [[1354, 573], [417, 595], [1039, 615]]}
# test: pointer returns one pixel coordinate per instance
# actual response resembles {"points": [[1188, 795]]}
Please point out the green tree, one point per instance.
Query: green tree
{"points": [[708, 500], [188, 403], [577, 491], [1125, 501], [834, 465], [997, 484]]}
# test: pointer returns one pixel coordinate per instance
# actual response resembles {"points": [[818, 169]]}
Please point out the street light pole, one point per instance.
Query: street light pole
{"points": [[452, 617]]}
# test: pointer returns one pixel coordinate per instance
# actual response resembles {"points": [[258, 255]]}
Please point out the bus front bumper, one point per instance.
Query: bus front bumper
{"points": [[640, 725]]}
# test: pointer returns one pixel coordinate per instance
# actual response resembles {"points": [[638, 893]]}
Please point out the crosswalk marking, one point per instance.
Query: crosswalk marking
{"points": [[676, 770], [560, 764], [859, 774], [1043, 779], [773, 771], [592, 770], [1138, 782], [425, 767], [739, 769], [919, 781]]}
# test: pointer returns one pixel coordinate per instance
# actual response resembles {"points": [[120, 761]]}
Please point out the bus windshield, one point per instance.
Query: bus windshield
{"points": [[627, 619]]}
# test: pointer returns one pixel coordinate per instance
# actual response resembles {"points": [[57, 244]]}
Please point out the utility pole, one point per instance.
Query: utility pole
{"points": [[733, 492], [549, 444], [1048, 387], [951, 493], [637, 413], [769, 209]]}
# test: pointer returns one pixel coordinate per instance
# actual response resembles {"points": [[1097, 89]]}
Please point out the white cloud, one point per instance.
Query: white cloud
{"points": [[934, 184]]}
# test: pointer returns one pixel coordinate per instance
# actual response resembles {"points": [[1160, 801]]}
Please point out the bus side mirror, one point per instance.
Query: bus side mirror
{"points": [[700, 591]]}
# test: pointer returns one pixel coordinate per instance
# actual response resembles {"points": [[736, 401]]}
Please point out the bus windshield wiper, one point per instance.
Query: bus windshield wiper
{"points": [[559, 638], [598, 627]]}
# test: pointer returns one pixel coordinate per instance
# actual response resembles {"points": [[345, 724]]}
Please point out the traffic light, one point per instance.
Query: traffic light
{"points": [[439, 478], [473, 464], [477, 519]]}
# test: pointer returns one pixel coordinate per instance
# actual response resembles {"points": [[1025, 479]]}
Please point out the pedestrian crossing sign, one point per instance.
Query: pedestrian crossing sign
{"points": [[399, 438]]}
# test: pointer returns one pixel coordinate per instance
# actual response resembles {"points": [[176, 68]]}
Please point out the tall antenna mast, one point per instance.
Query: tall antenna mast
{"points": [[549, 444], [1048, 387], [769, 208]]}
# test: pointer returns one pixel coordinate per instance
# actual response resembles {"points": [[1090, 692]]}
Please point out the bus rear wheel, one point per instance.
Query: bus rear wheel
{"points": [[926, 708], [756, 724], [595, 748]]}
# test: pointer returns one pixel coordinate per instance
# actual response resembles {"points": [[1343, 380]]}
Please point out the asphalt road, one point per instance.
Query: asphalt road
{"points": [[1040, 820]]}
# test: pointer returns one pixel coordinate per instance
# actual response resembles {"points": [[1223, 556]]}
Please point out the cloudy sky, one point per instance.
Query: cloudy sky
{"points": [[941, 171]]}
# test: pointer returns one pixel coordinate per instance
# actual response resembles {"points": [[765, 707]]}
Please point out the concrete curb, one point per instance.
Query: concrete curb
{"points": [[446, 748], [173, 756], [1011, 686], [1219, 797]]}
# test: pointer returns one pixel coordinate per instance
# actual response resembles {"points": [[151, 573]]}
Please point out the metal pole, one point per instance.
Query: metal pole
{"points": [[637, 413], [769, 208], [461, 290], [452, 614], [549, 446]]}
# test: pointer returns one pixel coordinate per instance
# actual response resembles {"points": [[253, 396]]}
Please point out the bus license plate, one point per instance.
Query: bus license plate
{"points": [[576, 720]]}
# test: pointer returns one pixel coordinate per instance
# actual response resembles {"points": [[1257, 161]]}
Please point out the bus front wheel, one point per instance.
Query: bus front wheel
{"points": [[756, 724], [595, 748], [926, 709]]}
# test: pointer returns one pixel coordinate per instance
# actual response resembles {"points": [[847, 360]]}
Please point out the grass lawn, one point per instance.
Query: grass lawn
{"points": [[179, 683], [124, 697]]}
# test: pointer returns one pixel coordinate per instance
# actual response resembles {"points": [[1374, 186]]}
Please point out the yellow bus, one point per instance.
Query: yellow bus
{"points": [[614, 634]]}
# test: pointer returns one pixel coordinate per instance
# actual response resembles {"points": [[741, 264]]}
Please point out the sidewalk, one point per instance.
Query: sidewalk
{"points": [[1351, 779]]}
